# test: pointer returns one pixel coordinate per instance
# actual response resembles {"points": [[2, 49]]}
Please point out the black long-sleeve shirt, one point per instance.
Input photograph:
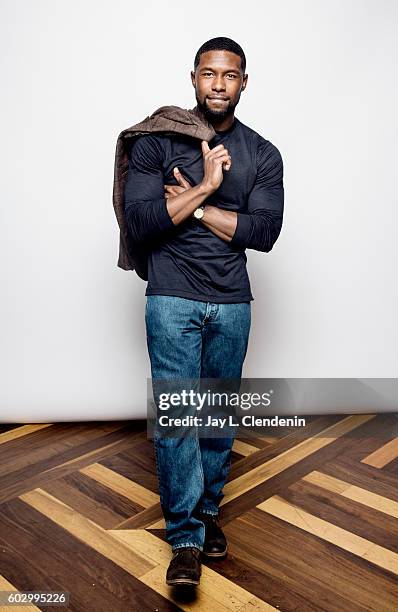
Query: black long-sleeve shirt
{"points": [[188, 260]]}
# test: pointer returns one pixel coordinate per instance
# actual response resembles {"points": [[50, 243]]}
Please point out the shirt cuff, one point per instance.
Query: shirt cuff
{"points": [[243, 231], [162, 215]]}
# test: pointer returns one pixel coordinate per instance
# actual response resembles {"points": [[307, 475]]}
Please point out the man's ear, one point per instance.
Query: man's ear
{"points": [[193, 78], [245, 78]]}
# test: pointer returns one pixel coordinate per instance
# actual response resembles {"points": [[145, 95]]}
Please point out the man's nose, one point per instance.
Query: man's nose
{"points": [[219, 84]]}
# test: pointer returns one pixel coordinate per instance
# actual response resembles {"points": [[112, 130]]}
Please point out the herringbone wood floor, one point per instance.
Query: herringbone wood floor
{"points": [[311, 521]]}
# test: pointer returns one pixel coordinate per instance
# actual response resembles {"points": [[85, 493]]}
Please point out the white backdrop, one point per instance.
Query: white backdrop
{"points": [[322, 87]]}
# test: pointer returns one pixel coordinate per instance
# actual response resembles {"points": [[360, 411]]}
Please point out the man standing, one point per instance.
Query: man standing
{"points": [[196, 209]]}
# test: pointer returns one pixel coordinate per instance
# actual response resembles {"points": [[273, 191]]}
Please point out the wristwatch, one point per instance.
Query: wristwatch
{"points": [[199, 212]]}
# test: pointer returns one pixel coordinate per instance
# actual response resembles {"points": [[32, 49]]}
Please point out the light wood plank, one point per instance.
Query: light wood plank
{"points": [[18, 432], [239, 486], [88, 532], [138, 552], [214, 592], [294, 515], [367, 498], [380, 457], [160, 524], [5, 585], [121, 485], [242, 448], [327, 482], [257, 605], [100, 451]]}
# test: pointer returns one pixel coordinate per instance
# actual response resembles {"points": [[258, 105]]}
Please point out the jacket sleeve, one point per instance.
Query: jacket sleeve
{"points": [[260, 227], [145, 205]]}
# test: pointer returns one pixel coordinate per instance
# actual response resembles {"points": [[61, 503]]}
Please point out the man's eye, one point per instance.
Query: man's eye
{"points": [[232, 75]]}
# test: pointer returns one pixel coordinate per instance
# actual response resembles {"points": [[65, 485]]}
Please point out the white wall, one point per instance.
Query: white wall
{"points": [[322, 87]]}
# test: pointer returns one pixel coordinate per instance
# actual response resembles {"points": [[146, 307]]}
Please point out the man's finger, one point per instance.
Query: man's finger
{"points": [[205, 147], [181, 180], [224, 159], [220, 154], [178, 177]]}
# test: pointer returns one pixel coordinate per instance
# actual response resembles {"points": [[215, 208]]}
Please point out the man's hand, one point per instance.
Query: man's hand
{"points": [[214, 162], [174, 190], [221, 222]]}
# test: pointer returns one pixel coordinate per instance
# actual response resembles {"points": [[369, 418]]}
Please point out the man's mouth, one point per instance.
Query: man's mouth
{"points": [[217, 98]]}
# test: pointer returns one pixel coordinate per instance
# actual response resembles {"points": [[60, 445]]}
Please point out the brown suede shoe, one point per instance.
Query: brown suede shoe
{"points": [[215, 545], [185, 567]]}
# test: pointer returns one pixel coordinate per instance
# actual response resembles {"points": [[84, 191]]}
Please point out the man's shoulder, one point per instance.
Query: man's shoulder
{"points": [[148, 145], [160, 141], [149, 139], [262, 144]]}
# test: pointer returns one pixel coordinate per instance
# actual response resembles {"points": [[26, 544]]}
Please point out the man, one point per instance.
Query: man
{"points": [[196, 208]]}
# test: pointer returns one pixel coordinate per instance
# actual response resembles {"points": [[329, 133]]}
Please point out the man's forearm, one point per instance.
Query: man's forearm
{"points": [[220, 222], [184, 204]]}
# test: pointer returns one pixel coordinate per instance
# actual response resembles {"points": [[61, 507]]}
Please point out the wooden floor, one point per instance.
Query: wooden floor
{"points": [[312, 522]]}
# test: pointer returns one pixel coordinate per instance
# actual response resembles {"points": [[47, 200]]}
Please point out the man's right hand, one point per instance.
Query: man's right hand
{"points": [[214, 161]]}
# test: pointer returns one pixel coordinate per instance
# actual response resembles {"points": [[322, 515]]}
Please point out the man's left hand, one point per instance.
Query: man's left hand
{"points": [[175, 190]]}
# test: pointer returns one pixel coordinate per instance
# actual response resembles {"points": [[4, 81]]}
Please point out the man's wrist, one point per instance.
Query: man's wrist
{"points": [[205, 210], [205, 189]]}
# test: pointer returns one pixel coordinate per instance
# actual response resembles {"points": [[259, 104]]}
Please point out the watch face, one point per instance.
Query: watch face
{"points": [[199, 212]]}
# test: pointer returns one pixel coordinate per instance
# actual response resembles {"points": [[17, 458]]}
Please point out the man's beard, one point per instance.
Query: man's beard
{"points": [[215, 115]]}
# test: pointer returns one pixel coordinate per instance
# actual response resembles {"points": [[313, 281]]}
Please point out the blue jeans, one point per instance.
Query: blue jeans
{"points": [[191, 339]]}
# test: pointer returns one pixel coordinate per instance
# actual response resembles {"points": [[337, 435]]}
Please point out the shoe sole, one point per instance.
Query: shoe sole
{"points": [[215, 555], [188, 581]]}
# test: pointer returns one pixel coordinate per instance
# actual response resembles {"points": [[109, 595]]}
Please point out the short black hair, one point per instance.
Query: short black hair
{"points": [[221, 43]]}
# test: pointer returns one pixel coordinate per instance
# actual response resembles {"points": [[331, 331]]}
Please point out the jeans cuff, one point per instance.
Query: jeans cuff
{"points": [[185, 544]]}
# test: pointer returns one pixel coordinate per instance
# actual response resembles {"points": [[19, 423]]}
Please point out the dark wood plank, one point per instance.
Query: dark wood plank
{"points": [[137, 464], [272, 586], [357, 518], [33, 475], [95, 582], [363, 476], [92, 499], [391, 468], [325, 575], [143, 519], [277, 484], [254, 439], [277, 587], [236, 457], [53, 440], [286, 443], [373, 436]]}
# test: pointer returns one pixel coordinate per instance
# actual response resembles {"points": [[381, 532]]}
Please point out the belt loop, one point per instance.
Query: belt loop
{"points": [[214, 309]]}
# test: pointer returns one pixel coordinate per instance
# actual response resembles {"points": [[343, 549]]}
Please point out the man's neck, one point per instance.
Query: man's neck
{"points": [[225, 124]]}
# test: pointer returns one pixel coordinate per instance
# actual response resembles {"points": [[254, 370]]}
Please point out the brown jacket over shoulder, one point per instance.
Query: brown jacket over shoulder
{"points": [[166, 119]]}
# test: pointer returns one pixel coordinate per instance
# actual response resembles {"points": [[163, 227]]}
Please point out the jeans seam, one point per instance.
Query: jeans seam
{"points": [[185, 544], [161, 498], [200, 458]]}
